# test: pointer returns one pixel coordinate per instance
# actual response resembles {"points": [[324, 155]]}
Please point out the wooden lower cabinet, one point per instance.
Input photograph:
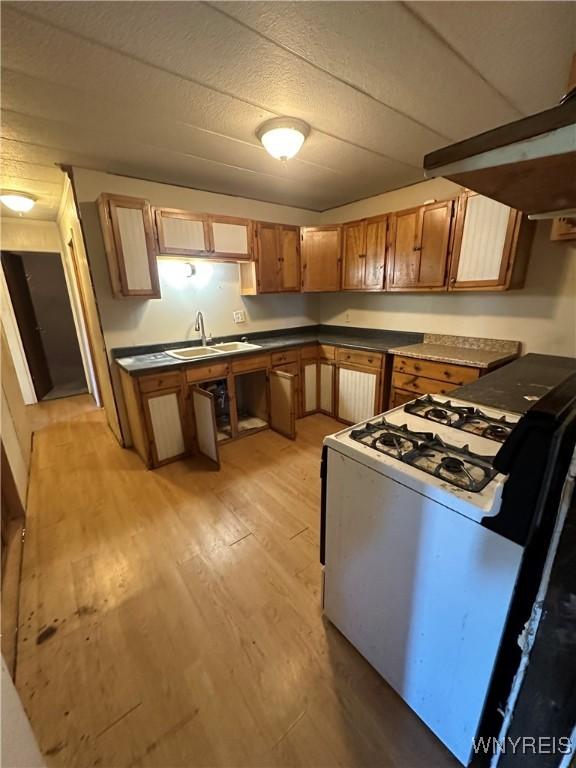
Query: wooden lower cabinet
{"points": [[357, 393], [294, 370], [309, 387], [326, 387], [413, 377]]}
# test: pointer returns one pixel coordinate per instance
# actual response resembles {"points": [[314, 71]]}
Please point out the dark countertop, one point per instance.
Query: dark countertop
{"points": [[516, 386], [142, 359]]}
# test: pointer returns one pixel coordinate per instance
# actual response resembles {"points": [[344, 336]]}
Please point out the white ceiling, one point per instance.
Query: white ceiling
{"points": [[174, 91]]}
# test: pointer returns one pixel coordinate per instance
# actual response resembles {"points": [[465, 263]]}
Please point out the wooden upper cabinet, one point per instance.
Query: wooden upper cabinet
{"points": [[419, 247], [276, 268], [130, 244], [182, 233], [364, 256], [202, 235], [321, 258], [491, 245], [230, 237]]}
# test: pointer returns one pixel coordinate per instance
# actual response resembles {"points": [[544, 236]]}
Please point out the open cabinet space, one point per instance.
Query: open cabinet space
{"points": [[252, 406]]}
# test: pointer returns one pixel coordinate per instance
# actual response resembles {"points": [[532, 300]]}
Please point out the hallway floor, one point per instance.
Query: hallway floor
{"points": [[172, 618]]}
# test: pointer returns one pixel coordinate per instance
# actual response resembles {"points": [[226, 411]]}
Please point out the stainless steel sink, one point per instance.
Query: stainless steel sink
{"points": [[235, 346], [191, 353]]}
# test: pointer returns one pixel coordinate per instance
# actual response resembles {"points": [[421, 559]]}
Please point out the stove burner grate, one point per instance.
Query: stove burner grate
{"points": [[457, 466], [467, 419]]}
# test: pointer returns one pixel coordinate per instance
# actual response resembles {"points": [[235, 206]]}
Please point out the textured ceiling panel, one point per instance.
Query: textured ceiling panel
{"points": [[174, 91]]}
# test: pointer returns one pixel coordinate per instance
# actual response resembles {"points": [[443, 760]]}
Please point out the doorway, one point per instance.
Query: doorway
{"points": [[41, 303]]}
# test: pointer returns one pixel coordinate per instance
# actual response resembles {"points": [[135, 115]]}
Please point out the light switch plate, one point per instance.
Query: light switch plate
{"points": [[239, 316]]}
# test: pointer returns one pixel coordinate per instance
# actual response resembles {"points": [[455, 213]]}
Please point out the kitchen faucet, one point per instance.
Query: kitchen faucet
{"points": [[199, 326]]}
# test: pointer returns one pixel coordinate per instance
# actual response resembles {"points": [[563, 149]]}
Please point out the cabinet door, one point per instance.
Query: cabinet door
{"points": [[163, 415], [375, 258], [358, 390], [231, 238], [321, 258], [268, 258], [289, 258], [400, 397], [283, 403], [486, 234], [294, 370], [309, 387], [326, 388], [354, 255], [182, 233], [130, 245], [205, 418], [419, 247]]}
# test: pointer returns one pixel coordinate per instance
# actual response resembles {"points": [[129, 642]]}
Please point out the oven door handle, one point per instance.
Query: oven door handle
{"points": [[323, 479]]}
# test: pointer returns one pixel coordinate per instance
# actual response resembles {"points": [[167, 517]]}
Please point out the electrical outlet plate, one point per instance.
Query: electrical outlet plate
{"points": [[239, 316]]}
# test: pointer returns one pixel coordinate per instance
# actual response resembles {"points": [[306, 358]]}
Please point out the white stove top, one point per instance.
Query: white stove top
{"points": [[473, 504]]}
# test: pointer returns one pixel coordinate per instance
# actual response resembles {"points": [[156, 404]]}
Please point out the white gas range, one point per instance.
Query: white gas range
{"points": [[412, 577]]}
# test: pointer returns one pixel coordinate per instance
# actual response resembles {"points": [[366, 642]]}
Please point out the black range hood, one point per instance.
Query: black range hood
{"points": [[529, 164]]}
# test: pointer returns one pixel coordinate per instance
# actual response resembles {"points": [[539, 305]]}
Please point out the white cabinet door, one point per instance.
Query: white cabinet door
{"points": [[283, 403], [310, 386], [231, 239], [166, 425], [205, 418], [327, 388], [483, 243], [181, 232], [357, 394]]}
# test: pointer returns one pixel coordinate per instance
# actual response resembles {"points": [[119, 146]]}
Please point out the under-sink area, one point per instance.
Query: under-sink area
{"points": [[227, 347]]}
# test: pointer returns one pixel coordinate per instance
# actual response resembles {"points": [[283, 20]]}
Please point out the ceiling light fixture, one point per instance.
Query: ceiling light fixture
{"points": [[21, 202], [282, 137]]}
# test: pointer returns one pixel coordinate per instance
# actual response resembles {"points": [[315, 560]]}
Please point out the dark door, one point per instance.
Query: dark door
{"points": [[27, 322]]}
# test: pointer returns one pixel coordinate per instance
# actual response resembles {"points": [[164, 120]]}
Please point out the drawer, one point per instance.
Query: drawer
{"points": [[421, 385], [357, 357], [430, 369], [293, 368], [309, 353], [326, 352], [288, 356], [207, 372], [157, 381], [252, 363]]}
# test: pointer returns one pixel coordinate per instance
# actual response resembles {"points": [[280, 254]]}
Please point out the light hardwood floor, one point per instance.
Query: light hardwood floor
{"points": [[172, 618]]}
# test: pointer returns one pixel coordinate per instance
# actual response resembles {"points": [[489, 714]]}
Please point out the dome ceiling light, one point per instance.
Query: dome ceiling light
{"points": [[282, 137], [21, 202]]}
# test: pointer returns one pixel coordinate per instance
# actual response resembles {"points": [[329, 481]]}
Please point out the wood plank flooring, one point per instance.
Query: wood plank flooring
{"points": [[172, 618]]}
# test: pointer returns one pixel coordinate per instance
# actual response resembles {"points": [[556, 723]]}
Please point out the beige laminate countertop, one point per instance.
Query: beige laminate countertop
{"points": [[459, 355]]}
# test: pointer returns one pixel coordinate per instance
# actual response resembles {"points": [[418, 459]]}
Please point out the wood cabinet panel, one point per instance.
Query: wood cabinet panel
{"points": [[326, 351], [289, 258], [182, 233], [455, 374], [294, 370], [156, 381], [287, 356], [309, 352], [321, 258], [358, 393], [251, 363], [359, 357], [563, 228], [309, 387], [419, 247], [375, 259], [326, 388], [421, 385], [207, 372], [491, 245], [130, 245], [400, 397], [268, 258], [164, 416], [283, 403], [353, 261]]}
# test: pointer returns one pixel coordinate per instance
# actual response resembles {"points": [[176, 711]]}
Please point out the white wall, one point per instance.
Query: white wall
{"points": [[128, 322], [542, 315]]}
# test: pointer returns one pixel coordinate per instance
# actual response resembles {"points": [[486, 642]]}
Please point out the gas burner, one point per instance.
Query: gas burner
{"points": [[391, 439], [436, 410], [457, 466], [486, 426], [468, 419]]}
